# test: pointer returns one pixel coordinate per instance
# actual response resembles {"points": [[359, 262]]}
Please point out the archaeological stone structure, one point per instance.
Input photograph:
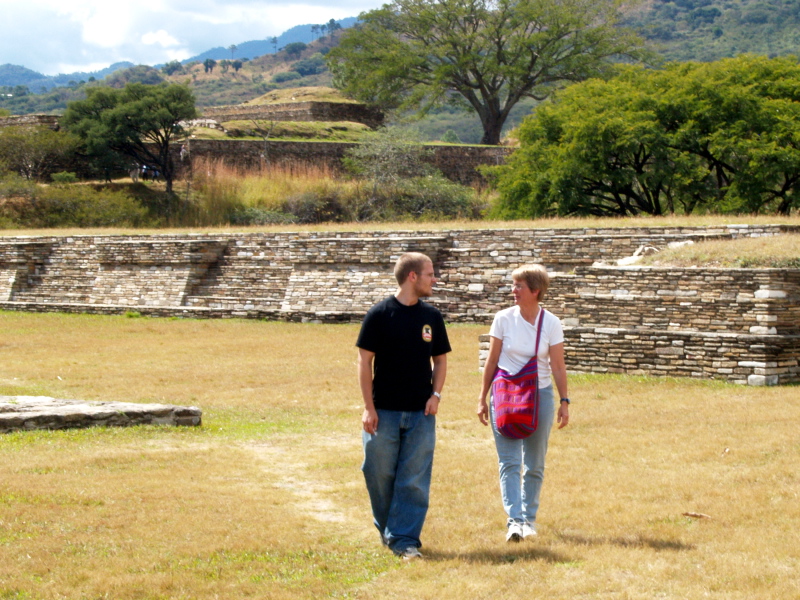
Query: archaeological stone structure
{"points": [[740, 325], [297, 111], [28, 413]]}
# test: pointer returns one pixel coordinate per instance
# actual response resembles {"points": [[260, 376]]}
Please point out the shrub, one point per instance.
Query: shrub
{"points": [[310, 66], [285, 76], [252, 215], [76, 206], [64, 178]]}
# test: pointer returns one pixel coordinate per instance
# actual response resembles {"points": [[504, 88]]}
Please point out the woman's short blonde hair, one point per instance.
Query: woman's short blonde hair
{"points": [[534, 276]]}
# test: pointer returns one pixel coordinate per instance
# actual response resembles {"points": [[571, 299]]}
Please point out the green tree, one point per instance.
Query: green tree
{"points": [[172, 67], [294, 49], [722, 137], [209, 64], [490, 54], [139, 121], [35, 152]]}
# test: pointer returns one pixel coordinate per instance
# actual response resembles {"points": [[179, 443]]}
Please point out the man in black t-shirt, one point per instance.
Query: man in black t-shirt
{"points": [[402, 364]]}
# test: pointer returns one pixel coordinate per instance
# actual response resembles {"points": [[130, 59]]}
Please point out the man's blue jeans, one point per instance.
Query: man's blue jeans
{"points": [[522, 463], [398, 461]]}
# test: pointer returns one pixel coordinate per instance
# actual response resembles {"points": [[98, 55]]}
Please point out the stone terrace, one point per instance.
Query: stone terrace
{"points": [[741, 325]]}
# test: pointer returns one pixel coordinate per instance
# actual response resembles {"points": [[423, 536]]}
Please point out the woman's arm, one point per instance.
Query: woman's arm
{"points": [[558, 368]]}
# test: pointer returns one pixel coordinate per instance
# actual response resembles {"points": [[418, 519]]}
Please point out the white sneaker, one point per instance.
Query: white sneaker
{"points": [[411, 553], [514, 533], [528, 530]]}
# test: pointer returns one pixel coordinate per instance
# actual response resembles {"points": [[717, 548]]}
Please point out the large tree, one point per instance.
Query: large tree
{"points": [[489, 54], [721, 137], [139, 121], [35, 152]]}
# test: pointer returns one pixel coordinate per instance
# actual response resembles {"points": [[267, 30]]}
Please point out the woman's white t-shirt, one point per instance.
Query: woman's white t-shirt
{"points": [[519, 341]]}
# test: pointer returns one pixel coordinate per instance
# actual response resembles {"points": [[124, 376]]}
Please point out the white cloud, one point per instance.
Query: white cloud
{"points": [[53, 35], [160, 38]]}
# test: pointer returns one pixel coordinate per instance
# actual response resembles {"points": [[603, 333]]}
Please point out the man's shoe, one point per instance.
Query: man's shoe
{"points": [[411, 553], [528, 530], [514, 533]]}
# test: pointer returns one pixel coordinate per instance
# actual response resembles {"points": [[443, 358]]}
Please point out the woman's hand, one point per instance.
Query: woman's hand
{"points": [[483, 411], [563, 415]]}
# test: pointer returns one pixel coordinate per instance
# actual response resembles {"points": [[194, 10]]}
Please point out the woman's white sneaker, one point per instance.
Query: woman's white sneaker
{"points": [[514, 533], [528, 530]]}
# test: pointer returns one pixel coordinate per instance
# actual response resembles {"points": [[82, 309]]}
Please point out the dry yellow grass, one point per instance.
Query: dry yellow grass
{"points": [[306, 94], [266, 500], [556, 223], [772, 251]]}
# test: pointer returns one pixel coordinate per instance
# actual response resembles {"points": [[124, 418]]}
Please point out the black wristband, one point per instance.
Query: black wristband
{"points": [[565, 400]]}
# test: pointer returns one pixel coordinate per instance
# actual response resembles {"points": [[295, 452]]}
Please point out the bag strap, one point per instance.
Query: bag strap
{"points": [[538, 336]]}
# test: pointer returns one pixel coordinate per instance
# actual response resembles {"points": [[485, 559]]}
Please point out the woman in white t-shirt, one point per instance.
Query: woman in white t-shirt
{"points": [[511, 346]]}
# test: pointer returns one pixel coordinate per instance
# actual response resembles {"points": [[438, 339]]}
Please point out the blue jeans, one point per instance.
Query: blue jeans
{"points": [[398, 461], [522, 463]]}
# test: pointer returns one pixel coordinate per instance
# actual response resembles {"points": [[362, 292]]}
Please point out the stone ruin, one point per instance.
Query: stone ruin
{"points": [[27, 413], [739, 325]]}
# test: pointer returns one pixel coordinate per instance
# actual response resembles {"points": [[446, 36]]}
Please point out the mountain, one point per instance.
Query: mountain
{"points": [[253, 48], [15, 75]]}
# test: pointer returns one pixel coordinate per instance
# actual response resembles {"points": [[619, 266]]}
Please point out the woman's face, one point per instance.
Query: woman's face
{"points": [[523, 295]]}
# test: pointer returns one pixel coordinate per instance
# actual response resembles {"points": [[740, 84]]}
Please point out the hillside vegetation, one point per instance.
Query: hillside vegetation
{"points": [[679, 30], [705, 30]]}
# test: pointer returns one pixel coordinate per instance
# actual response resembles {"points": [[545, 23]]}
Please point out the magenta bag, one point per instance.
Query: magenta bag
{"points": [[515, 398]]}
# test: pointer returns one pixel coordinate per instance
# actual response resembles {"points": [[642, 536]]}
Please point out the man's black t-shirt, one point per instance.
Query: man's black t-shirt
{"points": [[403, 338]]}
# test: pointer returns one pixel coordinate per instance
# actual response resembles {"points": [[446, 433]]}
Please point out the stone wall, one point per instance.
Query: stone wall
{"points": [[742, 325], [50, 121], [297, 111]]}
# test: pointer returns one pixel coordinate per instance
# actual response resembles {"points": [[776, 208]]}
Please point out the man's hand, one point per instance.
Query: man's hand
{"points": [[370, 421], [432, 406]]}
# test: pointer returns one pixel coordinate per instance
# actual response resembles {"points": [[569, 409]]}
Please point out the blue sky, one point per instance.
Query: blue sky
{"points": [[65, 36]]}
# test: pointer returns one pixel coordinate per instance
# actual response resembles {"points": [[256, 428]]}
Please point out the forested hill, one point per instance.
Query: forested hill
{"points": [[706, 30]]}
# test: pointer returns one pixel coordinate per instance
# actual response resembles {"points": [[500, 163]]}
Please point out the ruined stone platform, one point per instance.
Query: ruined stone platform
{"points": [[27, 413]]}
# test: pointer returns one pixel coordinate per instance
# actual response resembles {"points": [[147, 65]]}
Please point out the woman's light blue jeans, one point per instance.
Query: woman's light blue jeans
{"points": [[522, 463], [398, 461]]}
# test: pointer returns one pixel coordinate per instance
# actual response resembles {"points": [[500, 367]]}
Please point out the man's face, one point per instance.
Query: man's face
{"points": [[423, 286]]}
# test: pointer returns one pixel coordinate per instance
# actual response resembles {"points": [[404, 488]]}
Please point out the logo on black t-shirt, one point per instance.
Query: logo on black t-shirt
{"points": [[427, 333]]}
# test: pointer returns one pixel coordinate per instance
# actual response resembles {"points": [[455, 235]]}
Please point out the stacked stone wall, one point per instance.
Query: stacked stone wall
{"points": [[297, 111], [50, 121], [742, 325]]}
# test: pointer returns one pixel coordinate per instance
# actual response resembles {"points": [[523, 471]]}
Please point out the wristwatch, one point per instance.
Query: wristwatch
{"points": [[437, 394], [565, 400]]}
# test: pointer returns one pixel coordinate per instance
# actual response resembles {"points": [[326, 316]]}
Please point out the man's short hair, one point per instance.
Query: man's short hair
{"points": [[410, 262], [534, 276]]}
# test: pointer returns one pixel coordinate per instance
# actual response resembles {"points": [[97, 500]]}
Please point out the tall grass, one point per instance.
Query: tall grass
{"points": [[303, 193]]}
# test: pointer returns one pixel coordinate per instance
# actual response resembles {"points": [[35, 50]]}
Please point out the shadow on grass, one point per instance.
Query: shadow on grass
{"points": [[529, 552], [633, 541], [501, 556]]}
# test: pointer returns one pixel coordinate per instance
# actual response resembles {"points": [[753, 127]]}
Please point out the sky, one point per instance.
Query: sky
{"points": [[68, 36]]}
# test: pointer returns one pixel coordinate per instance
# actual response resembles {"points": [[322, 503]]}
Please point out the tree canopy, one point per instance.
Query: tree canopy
{"points": [[139, 121], [34, 152], [721, 137], [485, 54]]}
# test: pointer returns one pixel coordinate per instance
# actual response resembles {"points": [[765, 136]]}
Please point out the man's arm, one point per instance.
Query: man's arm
{"points": [[439, 375], [369, 418]]}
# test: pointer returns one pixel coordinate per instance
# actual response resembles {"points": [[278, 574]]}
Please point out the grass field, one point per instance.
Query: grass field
{"points": [[266, 499], [554, 223]]}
